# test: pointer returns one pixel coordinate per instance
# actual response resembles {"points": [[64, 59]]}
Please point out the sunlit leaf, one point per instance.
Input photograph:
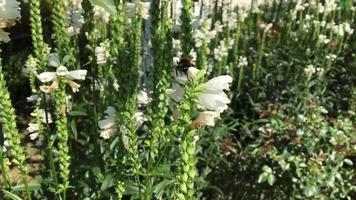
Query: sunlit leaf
{"points": [[108, 5]]}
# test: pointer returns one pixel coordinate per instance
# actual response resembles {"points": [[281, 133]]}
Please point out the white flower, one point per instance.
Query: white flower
{"points": [[9, 9], [323, 39], [140, 118], [242, 61], [61, 71], [75, 19], [141, 8], [205, 118], [100, 12], [108, 124], [33, 129], [142, 97], [221, 51], [102, 53], [213, 96]]}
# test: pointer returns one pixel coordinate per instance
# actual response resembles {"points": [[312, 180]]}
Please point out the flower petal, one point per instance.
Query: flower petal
{"points": [[53, 60], [106, 123], [219, 83], [77, 74], [47, 76]]}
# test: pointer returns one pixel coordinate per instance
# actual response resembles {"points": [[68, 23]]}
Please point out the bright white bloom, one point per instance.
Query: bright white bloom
{"points": [[33, 129], [141, 8], [242, 61], [213, 96], [347, 28], [205, 118], [100, 12], [221, 51], [242, 4], [310, 70], [101, 54], [61, 71], [108, 124], [266, 26], [140, 118], [142, 97], [331, 57], [9, 9], [75, 19], [323, 39]]}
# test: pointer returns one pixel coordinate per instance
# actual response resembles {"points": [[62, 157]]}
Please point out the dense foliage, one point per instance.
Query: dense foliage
{"points": [[207, 99]]}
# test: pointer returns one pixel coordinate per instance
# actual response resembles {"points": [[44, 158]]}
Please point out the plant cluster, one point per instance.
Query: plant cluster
{"points": [[218, 99]]}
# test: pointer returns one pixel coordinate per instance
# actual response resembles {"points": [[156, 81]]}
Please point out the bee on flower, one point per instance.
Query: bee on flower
{"points": [[212, 100]]}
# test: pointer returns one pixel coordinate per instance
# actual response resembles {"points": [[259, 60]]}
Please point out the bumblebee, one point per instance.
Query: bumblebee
{"points": [[183, 66]]}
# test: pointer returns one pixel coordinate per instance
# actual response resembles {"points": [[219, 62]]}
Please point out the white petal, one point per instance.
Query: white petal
{"points": [[47, 76], [106, 134], [192, 72], [142, 97], [62, 71], [207, 118], [110, 111], [75, 86], [77, 74], [34, 135], [106, 123], [219, 83], [214, 101], [53, 60], [9, 9], [140, 118], [32, 127]]}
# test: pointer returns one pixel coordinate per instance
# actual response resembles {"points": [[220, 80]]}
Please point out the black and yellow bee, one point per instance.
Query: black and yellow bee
{"points": [[183, 65]]}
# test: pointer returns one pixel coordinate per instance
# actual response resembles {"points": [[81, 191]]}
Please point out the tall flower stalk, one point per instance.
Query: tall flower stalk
{"points": [[186, 37], [62, 40], [37, 33], [187, 163], [63, 135], [8, 121]]}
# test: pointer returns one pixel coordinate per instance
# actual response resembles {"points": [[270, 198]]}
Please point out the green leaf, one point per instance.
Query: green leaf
{"points": [[11, 195], [263, 177], [76, 113], [267, 169], [160, 187], [108, 5], [310, 190], [271, 179], [31, 187], [107, 183]]}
